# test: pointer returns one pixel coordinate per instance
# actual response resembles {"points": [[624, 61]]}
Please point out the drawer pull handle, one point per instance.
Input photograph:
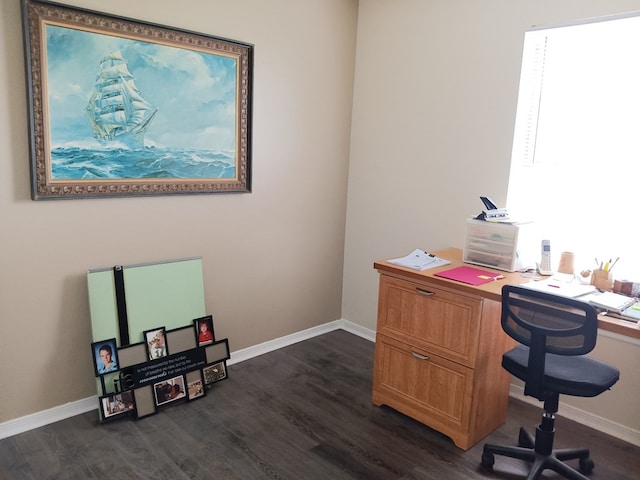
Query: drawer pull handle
{"points": [[419, 356], [426, 293]]}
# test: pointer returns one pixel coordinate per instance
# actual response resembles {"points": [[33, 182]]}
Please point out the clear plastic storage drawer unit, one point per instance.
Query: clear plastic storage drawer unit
{"points": [[492, 244]]}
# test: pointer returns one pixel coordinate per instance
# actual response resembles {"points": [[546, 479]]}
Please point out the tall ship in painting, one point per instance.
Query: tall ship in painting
{"points": [[117, 110]]}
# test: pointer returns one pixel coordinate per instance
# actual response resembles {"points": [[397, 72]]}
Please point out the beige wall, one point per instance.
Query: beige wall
{"points": [[272, 258], [434, 105]]}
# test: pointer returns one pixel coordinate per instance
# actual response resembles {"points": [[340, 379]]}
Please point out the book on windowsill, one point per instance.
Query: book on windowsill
{"points": [[631, 314], [612, 302]]}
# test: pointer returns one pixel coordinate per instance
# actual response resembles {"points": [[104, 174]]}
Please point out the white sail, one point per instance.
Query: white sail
{"points": [[117, 110]]}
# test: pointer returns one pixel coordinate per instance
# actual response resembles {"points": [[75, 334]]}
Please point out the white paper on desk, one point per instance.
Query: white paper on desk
{"points": [[420, 260], [564, 289]]}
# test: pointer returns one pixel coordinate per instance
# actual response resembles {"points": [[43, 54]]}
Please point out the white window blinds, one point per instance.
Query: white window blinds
{"points": [[575, 166]]}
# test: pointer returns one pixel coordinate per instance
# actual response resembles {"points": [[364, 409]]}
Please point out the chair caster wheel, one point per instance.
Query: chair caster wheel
{"points": [[525, 439], [488, 459], [586, 466]]}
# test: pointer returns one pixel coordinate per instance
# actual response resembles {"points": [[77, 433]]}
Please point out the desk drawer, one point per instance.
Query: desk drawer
{"points": [[423, 385], [438, 321]]}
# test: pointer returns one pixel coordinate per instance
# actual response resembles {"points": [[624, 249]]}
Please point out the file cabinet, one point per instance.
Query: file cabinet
{"points": [[438, 354]]}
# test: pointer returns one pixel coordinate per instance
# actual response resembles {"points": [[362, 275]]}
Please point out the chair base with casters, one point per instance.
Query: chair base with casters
{"points": [[539, 450], [555, 334]]}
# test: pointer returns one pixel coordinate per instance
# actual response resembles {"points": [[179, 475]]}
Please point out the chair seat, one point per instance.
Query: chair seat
{"points": [[579, 376]]}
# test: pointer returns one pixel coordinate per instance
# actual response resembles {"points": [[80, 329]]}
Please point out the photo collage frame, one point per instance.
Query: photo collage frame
{"points": [[166, 368]]}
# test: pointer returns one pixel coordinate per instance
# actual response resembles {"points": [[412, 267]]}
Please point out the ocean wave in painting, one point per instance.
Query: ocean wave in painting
{"points": [[77, 163]]}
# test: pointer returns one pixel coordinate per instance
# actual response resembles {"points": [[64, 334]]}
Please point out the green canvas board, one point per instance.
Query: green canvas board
{"points": [[102, 305], [168, 294]]}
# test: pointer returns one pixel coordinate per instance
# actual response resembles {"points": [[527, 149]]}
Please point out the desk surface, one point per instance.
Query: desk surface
{"points": [[493, 290]]}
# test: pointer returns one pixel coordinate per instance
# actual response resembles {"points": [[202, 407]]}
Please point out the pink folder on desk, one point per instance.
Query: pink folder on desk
{"points": [[470, 275]]}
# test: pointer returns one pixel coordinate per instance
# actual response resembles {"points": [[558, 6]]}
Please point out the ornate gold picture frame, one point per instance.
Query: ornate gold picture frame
{"points": [[123, 107]]}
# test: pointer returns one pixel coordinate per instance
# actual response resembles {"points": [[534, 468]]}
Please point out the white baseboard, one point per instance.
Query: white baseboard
{"points": [[266, 347], [55, 414], [358, 330], [271, 345], [45, 417], [585, 418]]}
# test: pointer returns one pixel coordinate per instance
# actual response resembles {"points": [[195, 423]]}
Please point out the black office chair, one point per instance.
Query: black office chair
{"points": [[555, 333]]}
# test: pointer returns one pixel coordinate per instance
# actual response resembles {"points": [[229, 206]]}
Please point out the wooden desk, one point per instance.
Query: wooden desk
{"points": [[439, 346], [493, 290]]}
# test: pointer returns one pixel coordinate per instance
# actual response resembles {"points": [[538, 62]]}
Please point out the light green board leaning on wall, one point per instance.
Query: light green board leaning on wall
{"points": [[166, 294]]}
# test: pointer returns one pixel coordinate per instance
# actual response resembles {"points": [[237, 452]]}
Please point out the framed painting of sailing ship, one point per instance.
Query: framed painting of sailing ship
{"points": [[123, 107]]}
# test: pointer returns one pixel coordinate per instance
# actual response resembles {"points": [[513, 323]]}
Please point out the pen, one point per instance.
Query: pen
{"points": [[616, 261], [488, 278]]}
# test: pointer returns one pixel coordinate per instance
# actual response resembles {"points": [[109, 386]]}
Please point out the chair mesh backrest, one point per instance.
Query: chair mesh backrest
{"points": [[566, 325], [547, 323]]}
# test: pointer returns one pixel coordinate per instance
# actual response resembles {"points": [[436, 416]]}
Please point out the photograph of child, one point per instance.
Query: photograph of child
{"points": [[117, 403], [195, 389], [169, 390], [156, 343], [105, 355], [204, 328], [214, 373]]}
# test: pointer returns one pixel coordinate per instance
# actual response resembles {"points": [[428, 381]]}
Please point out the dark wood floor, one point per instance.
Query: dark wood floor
{"points": [[302, 412]]}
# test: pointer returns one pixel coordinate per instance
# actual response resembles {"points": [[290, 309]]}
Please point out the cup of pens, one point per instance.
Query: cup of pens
{"points": [[602, 280], [602, 277]]}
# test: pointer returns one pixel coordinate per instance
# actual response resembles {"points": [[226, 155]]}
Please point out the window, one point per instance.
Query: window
{"points": [[575, 166]]}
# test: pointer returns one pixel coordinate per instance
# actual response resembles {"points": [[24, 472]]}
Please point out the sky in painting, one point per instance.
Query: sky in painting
{"points": [[193, 91]]}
